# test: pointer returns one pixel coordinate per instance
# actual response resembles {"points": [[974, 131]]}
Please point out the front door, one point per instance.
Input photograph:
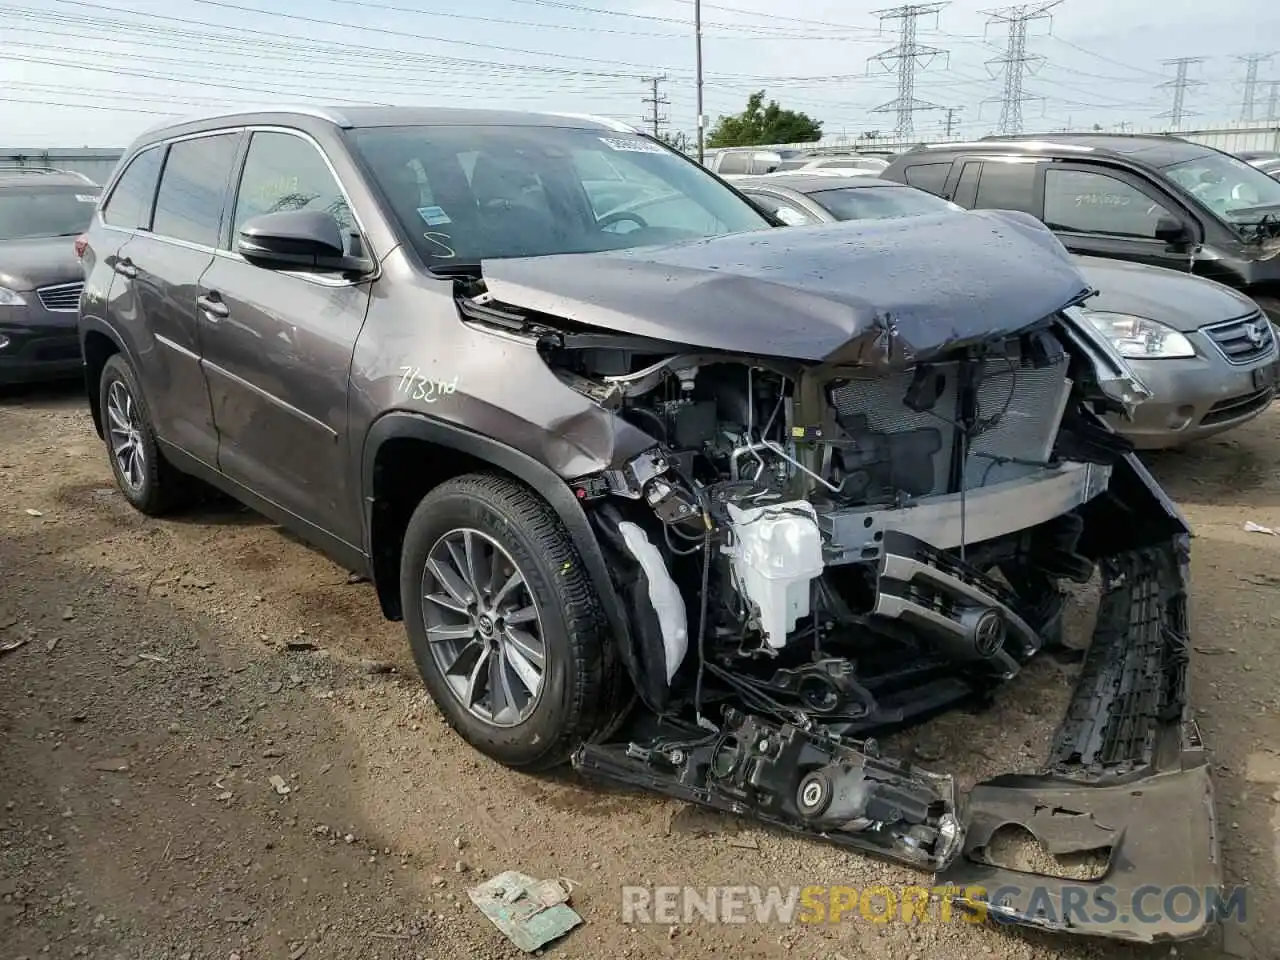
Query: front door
{"points": [[278, 347], [1111, 213]]}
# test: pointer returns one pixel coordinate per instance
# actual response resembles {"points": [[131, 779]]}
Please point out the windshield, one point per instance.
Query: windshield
{"points": [[1236, 191], [470, 193], [30, 211], [879, 203]]}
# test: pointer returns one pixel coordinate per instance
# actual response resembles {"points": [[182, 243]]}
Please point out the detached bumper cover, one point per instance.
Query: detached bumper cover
{"points": [[1127, 776]]}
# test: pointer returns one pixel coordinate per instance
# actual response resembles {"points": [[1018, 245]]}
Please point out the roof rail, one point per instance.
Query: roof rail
{"points": [[15, 166]]}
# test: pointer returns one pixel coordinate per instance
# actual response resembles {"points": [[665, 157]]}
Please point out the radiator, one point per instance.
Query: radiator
{"points": [[1026, 403]]}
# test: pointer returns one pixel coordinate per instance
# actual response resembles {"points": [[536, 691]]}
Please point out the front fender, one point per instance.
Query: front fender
{"points": [[401, 424]]}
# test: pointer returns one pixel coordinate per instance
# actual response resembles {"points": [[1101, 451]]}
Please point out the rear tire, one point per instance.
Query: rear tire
{"points": [[146, 479], [491, 584]]}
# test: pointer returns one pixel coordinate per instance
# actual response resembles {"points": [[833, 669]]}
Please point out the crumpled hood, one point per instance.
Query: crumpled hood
{"points": [[38, 262], [1173, 297], [881, 293]]}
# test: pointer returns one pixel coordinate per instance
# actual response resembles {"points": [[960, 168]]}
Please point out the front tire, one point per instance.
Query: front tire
{"points": [[506, 629], [145, 478]]}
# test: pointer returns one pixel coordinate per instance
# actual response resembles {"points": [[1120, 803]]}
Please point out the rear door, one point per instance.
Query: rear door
{"points": [[995, 183], [154, 294], [1109, 212], [278, 345]]}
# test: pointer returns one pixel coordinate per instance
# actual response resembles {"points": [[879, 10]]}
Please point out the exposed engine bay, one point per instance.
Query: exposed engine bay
{"points": [[811, 553], [849, 548]]}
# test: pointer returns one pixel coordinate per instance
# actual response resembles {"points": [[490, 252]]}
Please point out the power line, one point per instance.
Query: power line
{"points": [[910, 56], [1016, 63], [1180, 84], [655, 101], [1251, 62]]}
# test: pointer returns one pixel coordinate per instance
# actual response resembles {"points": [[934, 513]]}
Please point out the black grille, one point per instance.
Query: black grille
{"points": [[1234, 407], [1243, 340], [63, 298]]}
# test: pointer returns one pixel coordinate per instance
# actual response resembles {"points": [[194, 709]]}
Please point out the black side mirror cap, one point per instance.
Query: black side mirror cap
{"points": [[298, 240], [1173, 231]]}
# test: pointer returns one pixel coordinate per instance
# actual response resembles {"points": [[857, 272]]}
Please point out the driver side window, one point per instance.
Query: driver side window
{"points": [[284, 172], [1084, 202]]}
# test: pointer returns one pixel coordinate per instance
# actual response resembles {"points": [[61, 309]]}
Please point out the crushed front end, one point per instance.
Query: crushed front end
{"points": [[812, 552]]}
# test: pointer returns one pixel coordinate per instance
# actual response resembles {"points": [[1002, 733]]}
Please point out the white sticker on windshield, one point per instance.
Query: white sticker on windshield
{"points": [[631, 145], [87, 197], [433, 216]]}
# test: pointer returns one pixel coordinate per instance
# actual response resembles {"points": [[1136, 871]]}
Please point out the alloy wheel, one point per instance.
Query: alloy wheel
{"points": [[484, 627], [124, 431]]}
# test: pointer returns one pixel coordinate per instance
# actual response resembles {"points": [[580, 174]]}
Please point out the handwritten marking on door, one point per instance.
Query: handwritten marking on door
{"points": [[414, 385]]}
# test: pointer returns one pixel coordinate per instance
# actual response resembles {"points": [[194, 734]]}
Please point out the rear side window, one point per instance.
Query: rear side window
{"points": [[193, 189], [733, 163], [129, 205], [928, 176], [1006, 186], [785, 211], [283, 172]]}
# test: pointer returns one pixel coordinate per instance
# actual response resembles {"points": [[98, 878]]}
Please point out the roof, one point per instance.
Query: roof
{"points": [[811, 182], [352, 117], [1156, 150]]}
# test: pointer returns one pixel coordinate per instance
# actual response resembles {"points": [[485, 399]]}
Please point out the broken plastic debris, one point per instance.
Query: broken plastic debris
{"points": [[278, 783], [1251, 527], [530, 912]]}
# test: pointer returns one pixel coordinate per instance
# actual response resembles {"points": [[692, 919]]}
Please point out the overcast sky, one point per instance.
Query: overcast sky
{"points": [[96, 72]]}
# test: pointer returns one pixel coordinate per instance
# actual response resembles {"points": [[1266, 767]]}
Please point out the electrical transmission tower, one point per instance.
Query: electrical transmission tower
{"points": [[1179, 85], [655, 101], [910, 56], [1273, 102], [951, 119], [1251, 62], [1016, 63]]}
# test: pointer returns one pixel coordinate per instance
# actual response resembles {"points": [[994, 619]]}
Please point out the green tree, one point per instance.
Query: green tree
{"points": [[759, 124]]}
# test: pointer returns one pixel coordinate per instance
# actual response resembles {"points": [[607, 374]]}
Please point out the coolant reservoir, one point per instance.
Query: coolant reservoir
{"points": [[777, 551]]}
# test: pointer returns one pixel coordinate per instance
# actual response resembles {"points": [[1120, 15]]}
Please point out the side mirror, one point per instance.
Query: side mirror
{"points": [[298, 239], [1173, 231]]}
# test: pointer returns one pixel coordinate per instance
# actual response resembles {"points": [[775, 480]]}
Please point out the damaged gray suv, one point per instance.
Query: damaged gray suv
{"points": [[698, 504]]}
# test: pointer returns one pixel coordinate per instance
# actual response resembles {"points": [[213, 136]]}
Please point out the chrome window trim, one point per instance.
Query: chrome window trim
{"points": [[231, 254]]}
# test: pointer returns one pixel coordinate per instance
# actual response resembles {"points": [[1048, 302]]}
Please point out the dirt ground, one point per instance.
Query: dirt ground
{"points": [[173, 667]]}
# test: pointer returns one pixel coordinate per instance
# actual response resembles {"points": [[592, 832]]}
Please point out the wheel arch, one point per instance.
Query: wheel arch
{"points": [[98, 344], [401, 433]]}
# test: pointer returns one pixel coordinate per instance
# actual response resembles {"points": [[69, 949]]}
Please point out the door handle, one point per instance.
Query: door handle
{"points": [[125, 268], [213, 307]]}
